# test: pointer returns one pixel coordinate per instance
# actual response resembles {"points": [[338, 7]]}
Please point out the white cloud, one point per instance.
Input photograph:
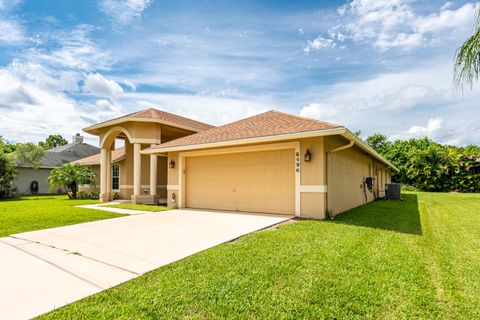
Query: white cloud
{"points": [[75, 51], [387, 24], [35, 109], [124, 11], [431, 130], [97, 85], [6, 5], [103, 104], [129, 84], [446, 20], [13, 94], [321, 111], [11, 32], [318, 44], [399, 104]]}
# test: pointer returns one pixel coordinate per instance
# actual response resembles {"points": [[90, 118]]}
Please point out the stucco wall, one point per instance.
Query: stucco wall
{"points": [[27, 175], [346, 172]]}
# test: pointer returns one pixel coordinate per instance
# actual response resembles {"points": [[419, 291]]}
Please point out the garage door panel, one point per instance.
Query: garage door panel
{"points": [[254, 181]]}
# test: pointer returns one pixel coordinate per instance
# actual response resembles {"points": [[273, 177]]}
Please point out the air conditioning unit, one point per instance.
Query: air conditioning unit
{"points": [[393, 191]]}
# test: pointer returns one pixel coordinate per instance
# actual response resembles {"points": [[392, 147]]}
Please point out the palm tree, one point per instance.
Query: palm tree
{"points": [[467, 60], [71, 176]]}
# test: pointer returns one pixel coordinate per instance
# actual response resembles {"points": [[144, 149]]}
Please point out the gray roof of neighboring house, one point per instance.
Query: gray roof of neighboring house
{"points": [[59, 156]]}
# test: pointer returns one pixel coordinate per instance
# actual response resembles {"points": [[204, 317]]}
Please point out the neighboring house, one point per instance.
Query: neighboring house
{"points": [[272, 163], [31, 181]]}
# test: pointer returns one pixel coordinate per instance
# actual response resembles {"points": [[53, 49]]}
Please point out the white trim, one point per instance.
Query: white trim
{"points": [[360, 143], [255, 148], [143, 186], [320, 188], [273, 138], [173, 187], [119, 175]]}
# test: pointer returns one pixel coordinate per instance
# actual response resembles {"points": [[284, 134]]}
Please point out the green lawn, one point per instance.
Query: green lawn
{"points": [[30, 213], [388, 260], [141, 207]]}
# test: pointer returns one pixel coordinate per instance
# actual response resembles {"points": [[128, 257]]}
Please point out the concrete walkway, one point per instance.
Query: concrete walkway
{"points": [[104, 207], [46, 269]]}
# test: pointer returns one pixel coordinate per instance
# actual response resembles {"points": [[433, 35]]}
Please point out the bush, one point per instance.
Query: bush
{"points": [[407, 187], [427, 165], [82, 195], [7, 175], [116, 196]]}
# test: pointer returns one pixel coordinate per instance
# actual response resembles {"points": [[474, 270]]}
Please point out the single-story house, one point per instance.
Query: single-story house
{"points": [[35, 180], [273, 162]]}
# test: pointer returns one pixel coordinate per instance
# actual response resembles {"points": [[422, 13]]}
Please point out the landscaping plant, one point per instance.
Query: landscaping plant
{"points": [[7, 175], [430, 166], [71, 176]]}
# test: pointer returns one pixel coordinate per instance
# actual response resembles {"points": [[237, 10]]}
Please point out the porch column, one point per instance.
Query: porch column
{"points": [[153, 175], [137, 169], [103, 174], [109, 175]]}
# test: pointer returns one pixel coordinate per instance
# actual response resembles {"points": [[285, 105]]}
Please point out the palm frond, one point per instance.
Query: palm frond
{"points": [[467, 61]]}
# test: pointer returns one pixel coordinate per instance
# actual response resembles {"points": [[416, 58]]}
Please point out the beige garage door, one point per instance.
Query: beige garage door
{"points": [[252, 181]]}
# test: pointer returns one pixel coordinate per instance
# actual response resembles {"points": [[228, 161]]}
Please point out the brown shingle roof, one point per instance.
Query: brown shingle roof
{"points": [[168, 117], [266, 124], [117, 155]]}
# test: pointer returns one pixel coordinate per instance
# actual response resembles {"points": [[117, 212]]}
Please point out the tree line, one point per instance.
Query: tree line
{"points": [[427, 165]]}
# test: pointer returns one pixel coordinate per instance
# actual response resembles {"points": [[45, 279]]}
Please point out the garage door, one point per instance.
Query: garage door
{"points": [[252, 181]]}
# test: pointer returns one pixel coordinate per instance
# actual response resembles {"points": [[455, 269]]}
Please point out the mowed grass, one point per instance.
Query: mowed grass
{"points": [[419, 258], [30, 213], [141, 207]]}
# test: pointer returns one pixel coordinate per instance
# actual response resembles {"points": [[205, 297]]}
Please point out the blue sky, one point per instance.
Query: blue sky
{"points": [[371, 65]]}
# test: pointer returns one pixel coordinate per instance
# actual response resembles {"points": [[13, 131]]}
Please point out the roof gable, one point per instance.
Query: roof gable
{"points": [[155, 115]]}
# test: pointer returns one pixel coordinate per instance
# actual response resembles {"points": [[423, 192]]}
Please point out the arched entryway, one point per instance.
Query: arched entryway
{"points": [[107, 144]]}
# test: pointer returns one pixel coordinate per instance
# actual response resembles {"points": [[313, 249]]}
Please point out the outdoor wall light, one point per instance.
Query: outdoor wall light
{"points": [[308, 156], [171, 165]]}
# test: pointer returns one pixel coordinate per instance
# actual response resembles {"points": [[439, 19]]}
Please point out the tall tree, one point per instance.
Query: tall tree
{"points": [[378, 142], [71, 176], [467, 60], [53, 141], [28, 154]]}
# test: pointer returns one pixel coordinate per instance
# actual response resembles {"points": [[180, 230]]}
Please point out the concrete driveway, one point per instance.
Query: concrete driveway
{"points": [[46, 269]]}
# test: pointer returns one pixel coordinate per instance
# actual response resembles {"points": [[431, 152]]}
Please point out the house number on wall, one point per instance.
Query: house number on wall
{"points": [[297, 162]]}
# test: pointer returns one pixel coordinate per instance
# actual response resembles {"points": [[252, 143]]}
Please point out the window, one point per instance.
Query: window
{"points": [[115, 177]]}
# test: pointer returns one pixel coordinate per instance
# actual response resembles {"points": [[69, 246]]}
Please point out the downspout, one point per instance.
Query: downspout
{"points": [[347, 146], [327, 161]]}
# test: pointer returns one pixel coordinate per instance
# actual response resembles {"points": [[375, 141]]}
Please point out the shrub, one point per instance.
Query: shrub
{"points": [[7, 175], [116, 196], [82, 195], [427, 165]]}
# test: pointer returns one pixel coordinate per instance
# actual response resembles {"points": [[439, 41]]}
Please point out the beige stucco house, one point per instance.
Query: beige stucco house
{"points": [[271, 163]]}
